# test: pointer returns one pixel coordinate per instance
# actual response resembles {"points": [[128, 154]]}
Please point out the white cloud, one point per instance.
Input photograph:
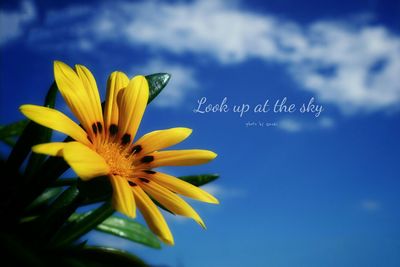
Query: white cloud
{"points": [[294, 125], [12, 23], [183, 81], [354, 68], [349, 63], [290, 125], [326, 123], [203, 27], [370, 205], [224, 192]]}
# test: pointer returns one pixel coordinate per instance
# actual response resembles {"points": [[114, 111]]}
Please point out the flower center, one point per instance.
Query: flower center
{"points": [[118, 158]]}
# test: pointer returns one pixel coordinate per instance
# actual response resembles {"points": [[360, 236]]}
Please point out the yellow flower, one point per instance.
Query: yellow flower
{"points": [[104, 145]]}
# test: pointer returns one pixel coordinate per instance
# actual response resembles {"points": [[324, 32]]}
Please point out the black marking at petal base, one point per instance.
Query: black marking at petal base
{"points": [[144, 180], [136, 149], [94, 128], [113, 129], [149, 171], [147, 159], [126, 139], [132, 183], [99, 126], [90, 140]]}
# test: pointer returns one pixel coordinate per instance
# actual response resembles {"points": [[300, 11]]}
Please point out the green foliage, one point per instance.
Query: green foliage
{"points": [[43, 134], [31, 135], [199, 180], [130, 230], [10, 131], [83, 224], [157, 82], [124, 228], [41, 225], [106, 257], [45, 198], [58, 212]]}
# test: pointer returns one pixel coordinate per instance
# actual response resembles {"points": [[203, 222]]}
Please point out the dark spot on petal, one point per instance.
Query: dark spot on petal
{"points": [[149, 172], [144, 180], [126, 139], [94, 128], [99, 126], [136, 149], [147, 159], [113, 129], [132, 183]]}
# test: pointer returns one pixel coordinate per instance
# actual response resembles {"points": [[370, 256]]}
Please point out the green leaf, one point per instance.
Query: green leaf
{"points": [[23, 146], [125, 228], [50, 170], [199, 180], [43, 134], [45, 198], [65, 182], [83, 224], [130, 230], [103, 190], [102, 184], [9, 141], [33, 134], [7, 132], [58, 213], [20, 192], [50, 100], [157, 82], [107, 257]]}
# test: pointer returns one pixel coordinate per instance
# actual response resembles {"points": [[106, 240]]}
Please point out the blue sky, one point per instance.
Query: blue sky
{"points": [[306, 192]]}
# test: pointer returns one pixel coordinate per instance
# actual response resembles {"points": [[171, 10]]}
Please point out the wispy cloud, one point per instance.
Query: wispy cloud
{"points": [[182, 83], [326, 123], [294, 125], [354, 68], [290, 125], [224, 192], [12, 22], [370, 205], [352, 64]]}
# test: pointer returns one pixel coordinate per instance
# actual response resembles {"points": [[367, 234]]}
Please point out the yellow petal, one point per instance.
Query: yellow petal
{"points": [[90, 85], [176, 158], [123, 200], [116, 82], [55, 120], [84, 161], [179, 186], [52, 149], [132, 102], [153, 216], [170, 200], [158, 140], [74, 94]]}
